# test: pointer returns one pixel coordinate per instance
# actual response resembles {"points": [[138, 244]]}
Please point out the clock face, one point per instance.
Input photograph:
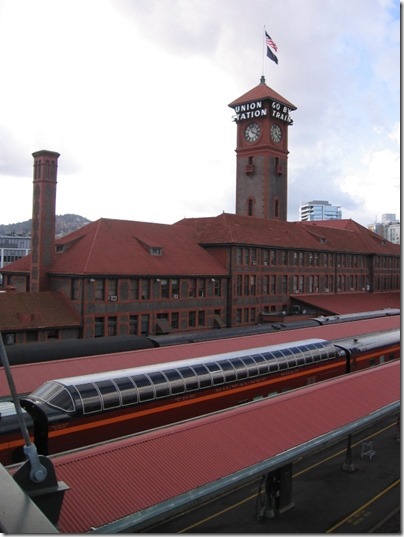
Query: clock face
{"points": [[276, 133], [252, 132]]}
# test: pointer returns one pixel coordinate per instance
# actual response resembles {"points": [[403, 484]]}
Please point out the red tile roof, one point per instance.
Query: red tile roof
{"points": [[122, 247], [115, 480], [351, 302], [262, 91], [26, 311], [348, 236]]}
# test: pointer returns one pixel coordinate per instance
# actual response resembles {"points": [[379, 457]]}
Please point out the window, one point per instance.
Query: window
{"points": [[112, 287], [253, 285], [284, 257], [253, 256], [175, 319], [145, 322], [250, 207], [218, 287], [246, 285], [276, 209], [75, 288], [201, 287], [273, 285], [284, 284], [175, 288], [265, 285], [192, 319], [32, 335], [145, 289], [192, 288], [99, 326], [133, 325], [164, 288], [239, 289], [99, 289], [239, 256], [133, 289], [53, 334]]}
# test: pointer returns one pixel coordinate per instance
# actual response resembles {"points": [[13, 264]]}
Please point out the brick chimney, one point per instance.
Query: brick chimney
{"points": [[43, 218]]}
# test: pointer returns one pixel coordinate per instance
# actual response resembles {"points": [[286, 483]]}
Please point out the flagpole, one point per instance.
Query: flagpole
{"points": [[263, 52]]}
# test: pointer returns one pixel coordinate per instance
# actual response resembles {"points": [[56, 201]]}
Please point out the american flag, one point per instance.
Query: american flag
{"points": [[270, 43]]}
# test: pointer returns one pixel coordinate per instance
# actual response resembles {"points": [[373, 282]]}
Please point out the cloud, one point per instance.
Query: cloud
{"points": [[134, 95]]}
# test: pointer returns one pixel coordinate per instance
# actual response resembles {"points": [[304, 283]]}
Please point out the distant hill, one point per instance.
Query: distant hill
{"points": [[65, 224]]}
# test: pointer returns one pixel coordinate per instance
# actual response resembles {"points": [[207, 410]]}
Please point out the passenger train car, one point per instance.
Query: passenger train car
{"points": [[26, 353], [67, 413]]}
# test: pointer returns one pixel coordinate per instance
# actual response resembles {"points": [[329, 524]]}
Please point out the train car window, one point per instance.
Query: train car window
{"points": [[228, 369], [176, 381], [307, 354], [251, 366], [109, 394], [262, 363], [160, 383], [205, 380], [144, 386], [47, 390], [268, 356], [273, 366], [90, 397], [282, 363], [191, 381], [290, 357], [240, 368], [216, 372], [62, 400], [127, 390]]}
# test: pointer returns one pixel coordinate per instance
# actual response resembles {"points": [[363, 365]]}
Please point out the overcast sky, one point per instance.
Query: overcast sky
{"points": [[134, 95]]}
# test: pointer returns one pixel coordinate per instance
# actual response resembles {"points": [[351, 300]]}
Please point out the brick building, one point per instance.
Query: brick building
{"points": [[116, 277]]}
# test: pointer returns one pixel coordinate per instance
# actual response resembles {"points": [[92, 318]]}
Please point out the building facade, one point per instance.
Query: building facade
{"points": [[319, 210], [116, 277], [13, 247]]}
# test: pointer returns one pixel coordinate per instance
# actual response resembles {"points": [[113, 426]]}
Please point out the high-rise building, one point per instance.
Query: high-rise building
{"points": [[319, 210]]}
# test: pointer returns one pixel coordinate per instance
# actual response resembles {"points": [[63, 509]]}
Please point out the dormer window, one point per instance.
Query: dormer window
{"points": [[60, 248], [156, 250]]}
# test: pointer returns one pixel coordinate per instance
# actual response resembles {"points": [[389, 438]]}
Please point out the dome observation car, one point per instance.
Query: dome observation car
{"points": [[114, 389]]}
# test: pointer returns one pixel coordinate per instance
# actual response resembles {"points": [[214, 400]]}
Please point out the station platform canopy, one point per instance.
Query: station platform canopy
{"points": [[124, 484]]}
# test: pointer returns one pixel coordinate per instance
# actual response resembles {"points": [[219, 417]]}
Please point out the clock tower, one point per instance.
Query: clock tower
{"points": [[262, 117]]}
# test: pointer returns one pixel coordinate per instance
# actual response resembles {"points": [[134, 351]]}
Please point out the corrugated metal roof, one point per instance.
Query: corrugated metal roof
{"points": [[115, 480], [30, 376]]}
